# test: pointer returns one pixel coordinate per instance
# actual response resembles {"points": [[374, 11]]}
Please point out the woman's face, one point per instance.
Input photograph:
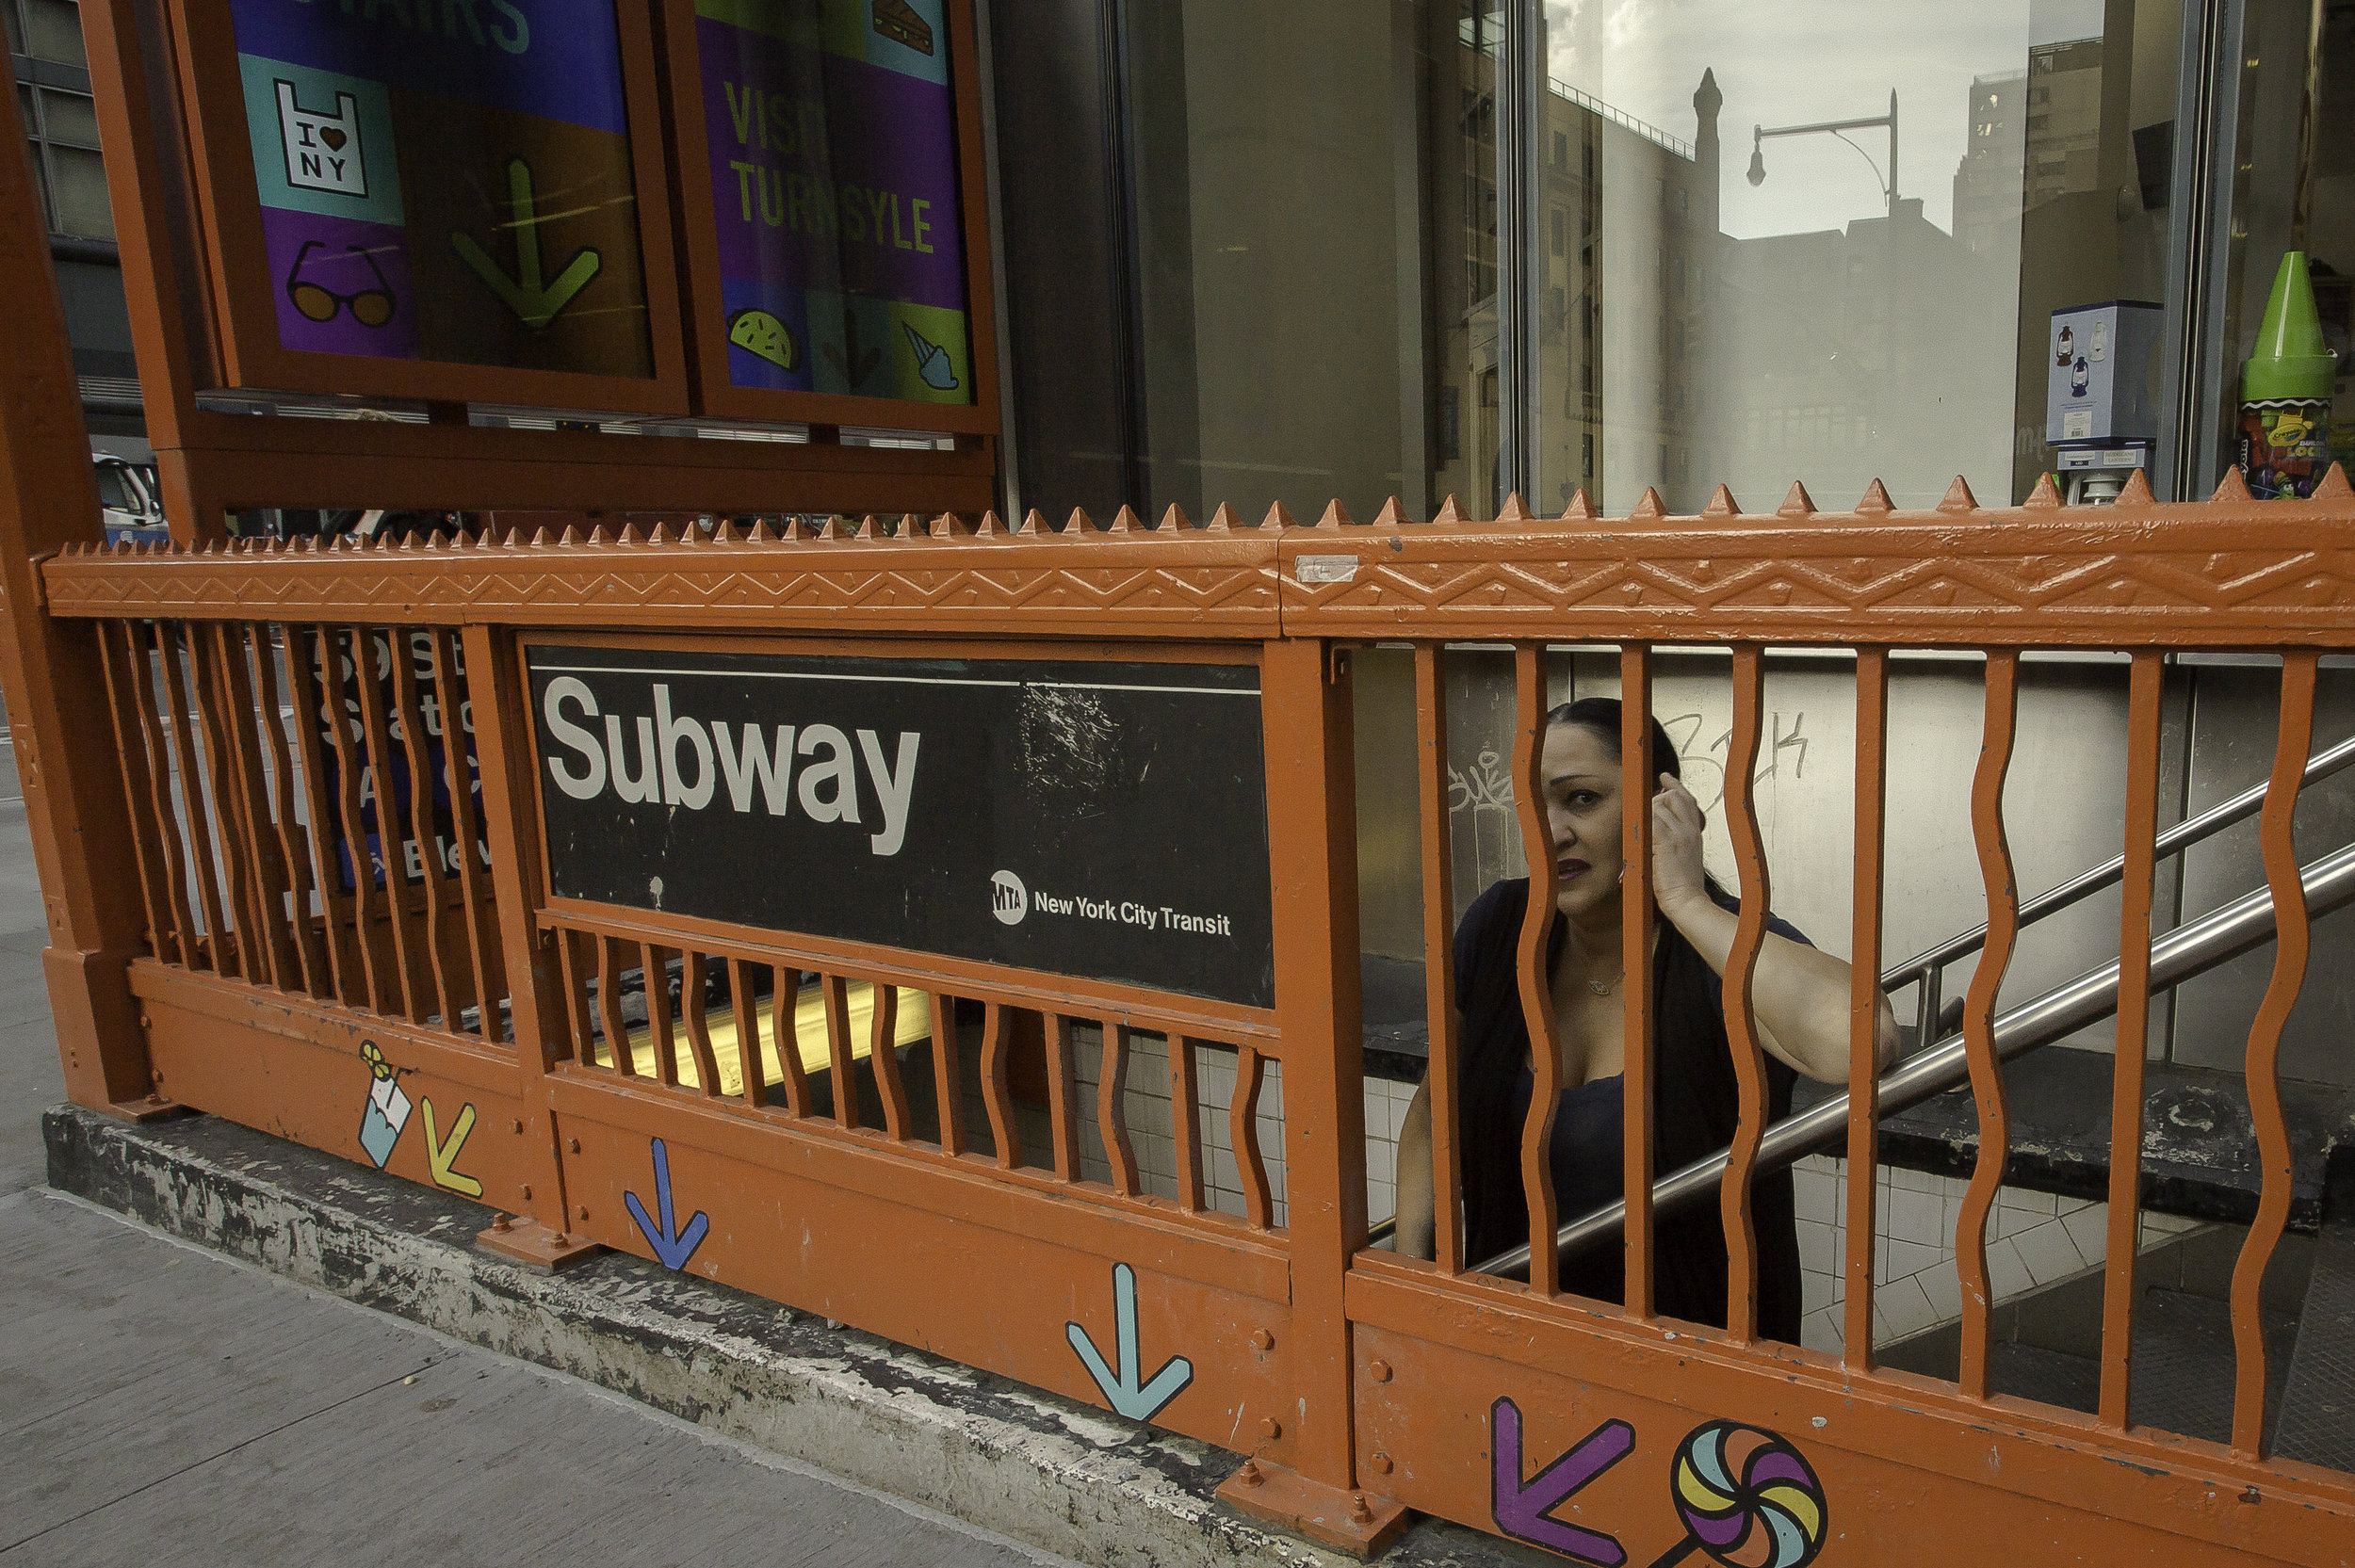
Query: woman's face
{"points": [[1582, 809]]}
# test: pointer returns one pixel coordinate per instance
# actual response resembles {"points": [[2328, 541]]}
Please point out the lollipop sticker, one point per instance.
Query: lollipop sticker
{"points": [[1746, 1498]]}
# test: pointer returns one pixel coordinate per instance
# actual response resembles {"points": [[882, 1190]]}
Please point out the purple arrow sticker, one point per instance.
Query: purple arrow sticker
{"points": [[1525, 1512]]}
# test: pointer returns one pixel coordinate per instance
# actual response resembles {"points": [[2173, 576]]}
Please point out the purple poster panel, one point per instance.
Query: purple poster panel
{"points": [[832, 128], [446, 183]]}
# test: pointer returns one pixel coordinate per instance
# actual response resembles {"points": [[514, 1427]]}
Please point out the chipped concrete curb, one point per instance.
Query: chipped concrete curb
{"points": [[1028, 1464]]}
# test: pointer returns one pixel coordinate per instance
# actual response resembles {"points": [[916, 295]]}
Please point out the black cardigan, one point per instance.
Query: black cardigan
{"points": [[1696, 1108]]}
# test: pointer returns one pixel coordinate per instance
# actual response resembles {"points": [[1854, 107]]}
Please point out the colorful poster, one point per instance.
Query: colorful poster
{"points": [[447, 180], [832, 126]]}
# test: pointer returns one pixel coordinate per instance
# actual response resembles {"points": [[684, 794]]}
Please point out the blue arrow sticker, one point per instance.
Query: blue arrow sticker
{"points": [[673, 1247], [1136, 1399]]}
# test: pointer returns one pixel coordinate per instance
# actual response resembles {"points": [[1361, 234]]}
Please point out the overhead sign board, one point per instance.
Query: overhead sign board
{"points": [[1097, 819], [446, 183]]}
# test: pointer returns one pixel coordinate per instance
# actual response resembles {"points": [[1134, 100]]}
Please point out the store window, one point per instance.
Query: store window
{"points": [[60, 120]]}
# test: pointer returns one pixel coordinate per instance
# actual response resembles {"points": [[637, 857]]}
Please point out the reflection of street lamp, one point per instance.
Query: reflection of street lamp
{"points": [[1889, 186]]}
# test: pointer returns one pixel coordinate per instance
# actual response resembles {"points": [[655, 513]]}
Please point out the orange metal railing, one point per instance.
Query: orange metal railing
{"points": [[1377, 1377]]}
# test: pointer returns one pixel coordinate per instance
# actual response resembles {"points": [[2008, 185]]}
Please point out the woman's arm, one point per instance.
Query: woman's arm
{"points": [[1799, 993], [1413, 1236]]}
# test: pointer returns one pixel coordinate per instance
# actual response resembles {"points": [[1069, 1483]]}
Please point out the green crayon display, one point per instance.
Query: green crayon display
{"points": [[2285, 388]]}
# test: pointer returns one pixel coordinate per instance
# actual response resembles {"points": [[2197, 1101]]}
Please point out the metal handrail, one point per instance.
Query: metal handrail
{"points": [[1925, 967], [2189, 949]]}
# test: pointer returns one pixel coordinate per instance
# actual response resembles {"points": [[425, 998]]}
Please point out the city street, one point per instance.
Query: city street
{"points": [[160, 1404]]}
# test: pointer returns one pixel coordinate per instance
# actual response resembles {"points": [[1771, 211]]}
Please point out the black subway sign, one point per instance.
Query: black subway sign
{"points": [[1098, 820]]}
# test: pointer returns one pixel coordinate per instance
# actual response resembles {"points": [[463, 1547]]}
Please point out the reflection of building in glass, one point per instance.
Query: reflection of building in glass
{"points": [[2063, 144], [1986, 181]]}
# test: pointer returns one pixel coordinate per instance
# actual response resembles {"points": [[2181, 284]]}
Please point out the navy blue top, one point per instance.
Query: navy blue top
{"points": [[1696, 1109]]}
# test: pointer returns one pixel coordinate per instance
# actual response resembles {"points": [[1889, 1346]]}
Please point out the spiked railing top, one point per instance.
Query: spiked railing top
{"points": [[2227, 571]]}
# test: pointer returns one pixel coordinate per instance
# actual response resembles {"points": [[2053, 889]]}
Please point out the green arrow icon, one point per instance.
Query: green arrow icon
{"points": [[534, 300]]}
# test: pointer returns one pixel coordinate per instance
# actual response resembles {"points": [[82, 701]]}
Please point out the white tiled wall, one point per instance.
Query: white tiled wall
{"points": [[2034, 1240]]}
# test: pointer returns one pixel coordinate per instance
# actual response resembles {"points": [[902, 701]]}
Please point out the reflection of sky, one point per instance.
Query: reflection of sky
{"points": [[1828, 59]]}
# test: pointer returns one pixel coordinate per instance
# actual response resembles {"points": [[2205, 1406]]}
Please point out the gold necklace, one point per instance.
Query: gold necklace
{"points": [[1602, 988]]}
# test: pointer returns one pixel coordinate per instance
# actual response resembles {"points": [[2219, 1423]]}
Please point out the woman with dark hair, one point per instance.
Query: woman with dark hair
{"points": [[1801, 1001]]}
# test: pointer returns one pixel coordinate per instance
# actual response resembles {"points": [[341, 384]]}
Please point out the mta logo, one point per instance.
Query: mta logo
{"points": [[1007, 899]]}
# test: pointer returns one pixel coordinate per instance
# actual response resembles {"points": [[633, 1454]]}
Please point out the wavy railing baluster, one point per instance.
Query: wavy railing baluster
{"points": [[243, 777], [655, 971], [206, 873], [694, 985], [610, 1008], [153, 734], [1185, 1123], [997, 1095], [745, 1006], [785, 992], [1735, 1199], [2143, 688], [1531, 962], [348, 955], [1444, 1079], [883, 1055], [1063, 1120], [439, 939], [132, 759], [1638, 773], [2292, 931], [409, 960], [225, 806], [1978, 1016], [948, 1074], [458, 777], [293, 841], [834, 992], [1111, 1113], [577, 1014], [1243, 1133], [1864, 959]]}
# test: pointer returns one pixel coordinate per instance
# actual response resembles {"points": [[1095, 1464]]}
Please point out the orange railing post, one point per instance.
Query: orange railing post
{"points": [[73, 791]]}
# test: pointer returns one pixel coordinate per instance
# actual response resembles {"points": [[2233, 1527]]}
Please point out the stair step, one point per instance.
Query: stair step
{"points": [[2182, 1366], [2318, 1402]]}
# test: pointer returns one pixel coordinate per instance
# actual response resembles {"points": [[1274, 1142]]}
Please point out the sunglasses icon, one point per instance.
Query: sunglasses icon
{"points": [[370, 307]]}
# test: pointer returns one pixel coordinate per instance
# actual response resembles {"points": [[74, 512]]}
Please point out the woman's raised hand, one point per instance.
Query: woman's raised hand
{"points": [[1675, 846]]}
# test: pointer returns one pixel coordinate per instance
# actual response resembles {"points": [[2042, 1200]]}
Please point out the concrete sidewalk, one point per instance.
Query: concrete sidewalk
{"points": [[166, 1405], [162, 1404]]}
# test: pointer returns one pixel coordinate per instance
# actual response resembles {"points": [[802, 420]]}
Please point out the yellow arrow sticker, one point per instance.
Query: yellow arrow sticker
{"points": [[440, 1155]]}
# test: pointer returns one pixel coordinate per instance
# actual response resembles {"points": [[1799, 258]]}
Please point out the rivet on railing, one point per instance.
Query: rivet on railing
{"points": [[1450, 513], [1959, 496], [1378, 1369], [1649, 508], [1722, 504], [1223, 521], [1358, 1512], [1392, 515], [1582, 508], [1278, 518], [1262, 1340], [1335, 515], [1515, 513], [2043, 494], [1269, 1428], [1250, 1475], [1876, 502], [1381, 1463]]}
